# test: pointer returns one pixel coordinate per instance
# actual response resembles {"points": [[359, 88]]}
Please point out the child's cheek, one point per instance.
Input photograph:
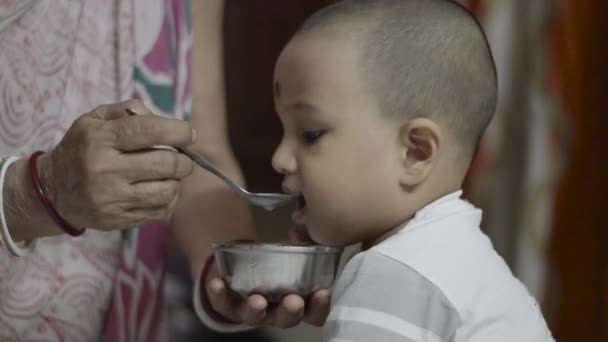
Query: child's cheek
{"points": [[319, 232], [326, 234]]}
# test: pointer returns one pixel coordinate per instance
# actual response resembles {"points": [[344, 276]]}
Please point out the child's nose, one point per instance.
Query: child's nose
{"points": [[282, 160]]}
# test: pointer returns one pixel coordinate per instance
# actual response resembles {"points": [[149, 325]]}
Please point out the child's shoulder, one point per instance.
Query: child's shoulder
{"points": [[375, 289], [461, 263], [456, 257], [400, 285], [391, 275]]}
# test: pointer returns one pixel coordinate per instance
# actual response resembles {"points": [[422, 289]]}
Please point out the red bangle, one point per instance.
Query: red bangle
{"points": [[216, 316], [39, 190]]}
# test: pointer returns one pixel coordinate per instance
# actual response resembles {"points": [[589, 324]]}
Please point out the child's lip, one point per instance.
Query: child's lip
{"points": [[299, 214], [300, 201], [288, 189]]}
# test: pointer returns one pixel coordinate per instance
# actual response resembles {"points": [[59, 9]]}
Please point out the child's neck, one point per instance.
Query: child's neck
{"points": [[365, 245]]}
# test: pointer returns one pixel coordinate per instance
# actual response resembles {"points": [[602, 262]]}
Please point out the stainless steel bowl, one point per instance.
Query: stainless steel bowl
{"points": [[275, 270]]}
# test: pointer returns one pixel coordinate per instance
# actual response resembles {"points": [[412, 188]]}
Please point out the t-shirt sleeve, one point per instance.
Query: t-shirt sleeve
{"points": [[380, 299]]}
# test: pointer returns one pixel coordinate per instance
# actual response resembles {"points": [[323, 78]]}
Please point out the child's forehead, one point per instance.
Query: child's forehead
{"points": [[310, 61], [318, 50], [321, 70]]}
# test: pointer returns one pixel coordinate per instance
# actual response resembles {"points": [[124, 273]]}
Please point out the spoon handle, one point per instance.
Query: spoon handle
{"points": [[202, 162], [205, 164]]}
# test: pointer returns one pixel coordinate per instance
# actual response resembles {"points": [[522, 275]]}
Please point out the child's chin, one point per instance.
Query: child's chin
{"points": [[322, 238], [318, 237]]}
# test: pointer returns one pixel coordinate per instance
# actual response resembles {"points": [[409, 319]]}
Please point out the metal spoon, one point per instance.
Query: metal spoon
{"points": [[268, 201]]}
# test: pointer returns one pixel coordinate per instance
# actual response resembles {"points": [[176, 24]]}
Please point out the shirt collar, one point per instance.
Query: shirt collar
{"points": [[441, 202], [442, 207]]}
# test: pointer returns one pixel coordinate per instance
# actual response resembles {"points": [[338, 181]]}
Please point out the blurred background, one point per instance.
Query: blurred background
{"points": [[540, 175]]}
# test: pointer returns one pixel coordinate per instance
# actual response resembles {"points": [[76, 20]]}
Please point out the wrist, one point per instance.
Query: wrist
{"points": [[6, 239], [203, 314], [209, 272], [25, 215], [206, 275], [39, 189], [43, 167]]}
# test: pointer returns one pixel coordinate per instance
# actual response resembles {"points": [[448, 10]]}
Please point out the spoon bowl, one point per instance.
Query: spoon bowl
{"points": [[268, 201]]}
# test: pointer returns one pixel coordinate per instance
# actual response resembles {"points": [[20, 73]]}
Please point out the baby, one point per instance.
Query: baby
{"points": [[383, 103]]}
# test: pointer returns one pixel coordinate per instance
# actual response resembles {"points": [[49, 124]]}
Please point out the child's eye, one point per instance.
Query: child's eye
{"points": [[311, 137]]}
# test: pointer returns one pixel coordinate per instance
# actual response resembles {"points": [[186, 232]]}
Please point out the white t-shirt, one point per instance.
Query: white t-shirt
{"points": [[437, 279]]}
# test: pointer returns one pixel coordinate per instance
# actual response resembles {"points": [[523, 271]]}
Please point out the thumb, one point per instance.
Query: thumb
{"points": [[299, 236]]}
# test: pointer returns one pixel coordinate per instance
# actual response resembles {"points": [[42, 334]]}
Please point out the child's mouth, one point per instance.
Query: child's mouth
{"points": [[299, 213]]}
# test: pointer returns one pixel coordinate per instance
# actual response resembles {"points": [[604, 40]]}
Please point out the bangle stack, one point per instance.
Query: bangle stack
{"points": [[17, 249], [39, 190]]}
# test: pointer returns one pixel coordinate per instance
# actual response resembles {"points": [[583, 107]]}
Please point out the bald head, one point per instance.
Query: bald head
{"points": [[420, 58]]}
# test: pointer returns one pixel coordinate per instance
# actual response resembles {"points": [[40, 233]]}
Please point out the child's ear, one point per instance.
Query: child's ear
{"points": [[420, 141]]}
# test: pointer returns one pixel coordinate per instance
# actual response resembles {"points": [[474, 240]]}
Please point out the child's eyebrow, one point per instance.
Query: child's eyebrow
{"points": [[305, 106]]}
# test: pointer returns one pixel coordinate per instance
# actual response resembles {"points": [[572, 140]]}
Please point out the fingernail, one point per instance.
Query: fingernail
{"points": [[193, 135], [216, 286], [131, 111], [259, 304]]}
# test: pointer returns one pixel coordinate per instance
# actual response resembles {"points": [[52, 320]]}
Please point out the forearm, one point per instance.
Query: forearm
{"points": [[209, 212], [26, 218]]}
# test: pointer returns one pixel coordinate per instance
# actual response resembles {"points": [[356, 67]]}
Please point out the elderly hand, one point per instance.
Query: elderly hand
{"points": [[256, 311], [104, 175]]}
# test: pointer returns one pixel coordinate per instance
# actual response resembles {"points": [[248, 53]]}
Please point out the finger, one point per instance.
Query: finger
{"points": [[299, 236], [155, 214], [152, 215], [254, 311], [118, 110], [222, 300], [152, 194], [134, 217], [144, 131], [288, 313], [318, 308], [150, 165]]}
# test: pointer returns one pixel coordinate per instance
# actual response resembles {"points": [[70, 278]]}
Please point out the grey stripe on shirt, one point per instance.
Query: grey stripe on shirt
{"points": [[356, 331], [377, 286]]}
